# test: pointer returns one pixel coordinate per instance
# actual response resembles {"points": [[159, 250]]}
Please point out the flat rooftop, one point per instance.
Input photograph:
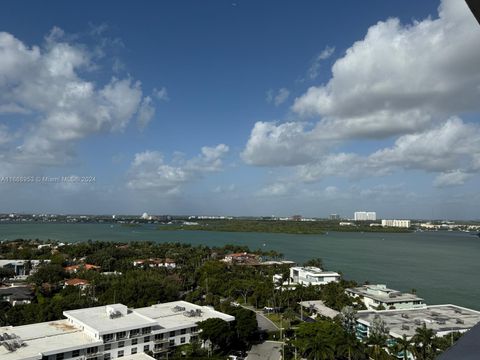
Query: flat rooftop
{"points": [[44, 338], [175, 314], [98, 319], [442, 319], [320, 307], [383, 294]]}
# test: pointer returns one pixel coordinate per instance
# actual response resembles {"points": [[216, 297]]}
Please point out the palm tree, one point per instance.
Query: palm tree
{"points": [[404, 346], [377, 343], [423, 340]]}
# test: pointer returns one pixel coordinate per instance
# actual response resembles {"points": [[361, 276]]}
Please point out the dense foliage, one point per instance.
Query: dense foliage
{"points": [[286, 227]]}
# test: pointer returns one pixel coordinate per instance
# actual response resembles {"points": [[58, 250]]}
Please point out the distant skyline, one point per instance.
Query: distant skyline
{"points": [[240, 108]]}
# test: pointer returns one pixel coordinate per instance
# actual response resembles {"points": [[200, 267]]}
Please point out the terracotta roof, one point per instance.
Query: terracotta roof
{"points": [[76, 282]]}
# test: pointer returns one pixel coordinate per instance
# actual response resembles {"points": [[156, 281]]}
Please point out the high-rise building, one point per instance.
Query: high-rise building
{"points": [[365, 216]]}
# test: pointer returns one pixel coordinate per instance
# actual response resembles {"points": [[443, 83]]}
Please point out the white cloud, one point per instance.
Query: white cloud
{"points": [[443, 148], [161, 94], [452, 178], [280, 145], [149, 171], [275, 190], [314, 69], [399, 78], [145, 113], [278, 97], [47, 83]]}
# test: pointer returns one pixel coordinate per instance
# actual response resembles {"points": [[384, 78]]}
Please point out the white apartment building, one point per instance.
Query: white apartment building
{"points": [[312, 276], [365, 216], [107, 332], [396, 223], [375, 296]]}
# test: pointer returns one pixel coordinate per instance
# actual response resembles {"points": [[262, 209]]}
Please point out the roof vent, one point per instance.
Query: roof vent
{"points": [[11, 342], [193, 313], [178, 308]]}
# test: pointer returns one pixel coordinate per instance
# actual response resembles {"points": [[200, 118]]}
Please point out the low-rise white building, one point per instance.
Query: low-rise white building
{"points": [[396, 223], [107, 332], [375, 296], [22, 268], [442, 319], [312, 275]]}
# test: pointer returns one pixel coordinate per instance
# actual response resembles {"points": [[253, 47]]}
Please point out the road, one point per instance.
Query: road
{"points": [[264, 323], [269, 350]]}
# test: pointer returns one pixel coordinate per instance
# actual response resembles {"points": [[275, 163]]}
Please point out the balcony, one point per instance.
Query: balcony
{"points": [[157, 350], [92, 355], [161, 341]]}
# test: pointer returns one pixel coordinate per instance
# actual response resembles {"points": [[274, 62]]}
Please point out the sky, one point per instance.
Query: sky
{"points": [[240, 107]]}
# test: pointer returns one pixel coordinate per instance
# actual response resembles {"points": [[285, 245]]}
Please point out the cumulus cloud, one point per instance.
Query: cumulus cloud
{"points": [[49, 83], [399, 78], [452, 178], [286, 144], [149, 171], [406, 82], [278, 97]]}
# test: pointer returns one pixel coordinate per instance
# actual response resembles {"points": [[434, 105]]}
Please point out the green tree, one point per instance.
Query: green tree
{"points": [[217, 331]]}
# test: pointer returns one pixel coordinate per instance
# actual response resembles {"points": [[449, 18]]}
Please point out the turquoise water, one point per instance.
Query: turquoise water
{"points": [[444, 267]]}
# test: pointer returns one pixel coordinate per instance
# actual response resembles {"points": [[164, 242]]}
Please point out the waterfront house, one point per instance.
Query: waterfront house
{"points": [[379, 297]]}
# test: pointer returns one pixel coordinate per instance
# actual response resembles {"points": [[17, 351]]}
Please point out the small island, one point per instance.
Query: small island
{"points": [[283, 227]]}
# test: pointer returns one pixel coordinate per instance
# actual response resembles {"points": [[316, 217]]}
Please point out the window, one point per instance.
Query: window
{"points": [[121, 335], [172, 342], [75, 353], [146, 330], [193, 329], [183, 331], [107, 337], [182, 340], [106, 356], [172, 333], [146, 348], [134, 341], [108, 346], [121, 344], [134, 350], [59, 356], [158, 336], [120, 353], [134, 332], [146, 339], [92, 350]]}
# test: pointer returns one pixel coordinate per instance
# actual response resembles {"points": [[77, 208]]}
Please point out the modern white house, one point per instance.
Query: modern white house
{"points": [[305, 276], [107, 332], [312, 275], [22, 268], [375, 296]]}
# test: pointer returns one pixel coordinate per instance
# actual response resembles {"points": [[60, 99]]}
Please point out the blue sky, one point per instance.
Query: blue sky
{"points": [[242, 108]]}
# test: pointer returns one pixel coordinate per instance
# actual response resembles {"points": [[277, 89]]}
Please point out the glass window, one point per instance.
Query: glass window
{"points": [[106, 356], [120, 353], [146, 339], [172, 342], [172, 333], [107, 337], [60, 356], [121, 335], [158, 336], [108, 346], [182, 340], [183, 331], [146, 348], [134, 350], [121, 344], [75, 353], [134, 341]]}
